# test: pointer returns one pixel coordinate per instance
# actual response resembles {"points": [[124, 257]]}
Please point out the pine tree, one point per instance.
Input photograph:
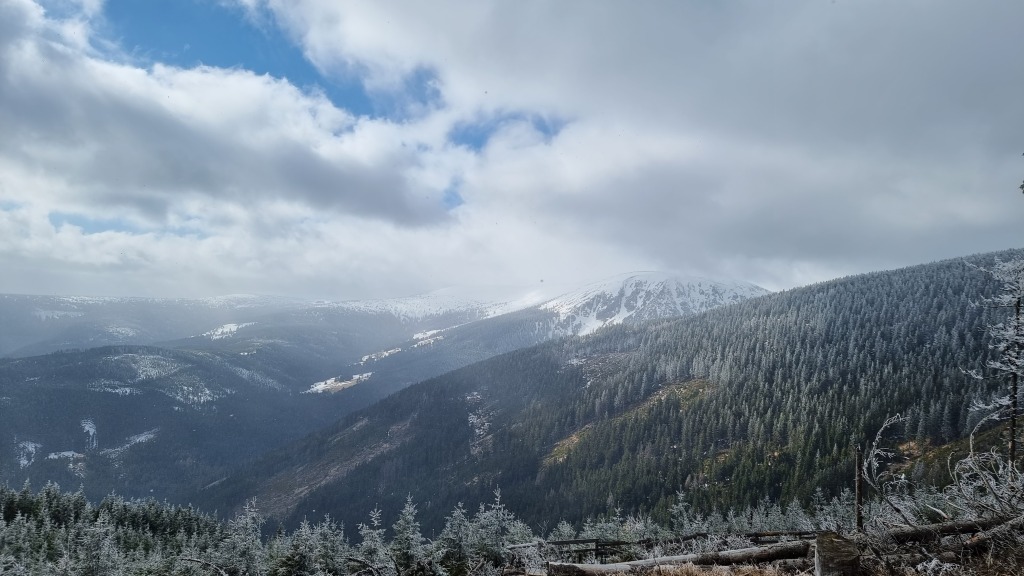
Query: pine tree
{"points": [[453, 545], [407, 544]]}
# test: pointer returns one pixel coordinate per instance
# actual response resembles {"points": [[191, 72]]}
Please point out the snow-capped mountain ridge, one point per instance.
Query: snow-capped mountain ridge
{"points": [[637, 290], [535, 316], [641, 296], [477, 302]]}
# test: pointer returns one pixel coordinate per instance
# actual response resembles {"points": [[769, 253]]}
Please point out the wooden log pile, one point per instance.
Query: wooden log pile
{"points": [[753, 555], [833, 555]]}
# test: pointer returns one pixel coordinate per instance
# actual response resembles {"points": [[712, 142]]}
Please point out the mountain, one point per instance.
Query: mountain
{"points": [[195, 387], [760, 398], [642, 297], [144, 421], [36, 325], [532, 317]]}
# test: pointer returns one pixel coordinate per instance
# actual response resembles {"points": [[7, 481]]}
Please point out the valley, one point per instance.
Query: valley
{"points": [[763, 398], [642, 413], [255, 373]]}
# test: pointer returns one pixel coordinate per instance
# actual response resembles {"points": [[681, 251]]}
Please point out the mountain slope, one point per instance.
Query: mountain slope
{"points": [[251, 374], [641, 297], [36, 325], [532, 318], [142, 421], [763, 397]]}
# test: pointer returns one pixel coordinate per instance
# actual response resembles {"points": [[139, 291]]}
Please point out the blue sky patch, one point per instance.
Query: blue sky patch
{"points": [[97, 225], [475, 135], [188, 33], [452, 199], [91, 225], [420, 93]]}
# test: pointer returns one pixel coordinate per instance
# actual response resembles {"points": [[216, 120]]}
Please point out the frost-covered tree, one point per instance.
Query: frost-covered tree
{"points": [[493, 529], [562, 531], [98, 551], [242, 549], [1007, 341], [407, 545], [452, 548], [374, 552]]}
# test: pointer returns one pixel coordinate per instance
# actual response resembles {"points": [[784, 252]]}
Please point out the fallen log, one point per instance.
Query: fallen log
{"points": [[754, 555], [984, 538], [932, 531]]}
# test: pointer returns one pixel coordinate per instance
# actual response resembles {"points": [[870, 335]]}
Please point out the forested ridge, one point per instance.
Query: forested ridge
{"points": [[60, 533], [764, 398], [684, 436]]}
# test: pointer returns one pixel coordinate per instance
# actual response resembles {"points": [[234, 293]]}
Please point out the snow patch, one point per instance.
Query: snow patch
{"points": [[89, 427], [121, 331], [112, 387], [76, 461], [26, 452], [193, 392], [132, 441], [147, 366], [477, 301], [226, 330], [428, 341], [69, 454], [336, 384], [379, 355], [45, 315], [643, 296], [256, 377]]}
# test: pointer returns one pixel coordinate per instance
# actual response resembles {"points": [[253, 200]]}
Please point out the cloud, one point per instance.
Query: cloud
{"points": [[843, 136], [777, 143], [115, 137]]}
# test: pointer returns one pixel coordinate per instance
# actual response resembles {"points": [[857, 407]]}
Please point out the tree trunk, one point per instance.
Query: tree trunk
{"points": [[835, 556], [932, 531], [755, 555]]}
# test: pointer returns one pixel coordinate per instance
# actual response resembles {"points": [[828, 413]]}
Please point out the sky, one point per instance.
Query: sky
{"points": [[375, 149]]}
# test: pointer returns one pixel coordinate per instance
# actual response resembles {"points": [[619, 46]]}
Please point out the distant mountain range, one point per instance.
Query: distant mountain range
{"points": [[162, 397], [761, 398]]}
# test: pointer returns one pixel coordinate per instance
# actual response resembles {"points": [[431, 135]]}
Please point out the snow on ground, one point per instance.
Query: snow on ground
{"points": [[480, 301], [192, 391], [654, 294], [66, 454], [336, 384], [147, 366], [45, 315], [428, 341], [89, 427], [26, 452], [226, 330], [379, 355], [256, 377], [113, 387], [132, 441], [121, 331], [76, 461]]}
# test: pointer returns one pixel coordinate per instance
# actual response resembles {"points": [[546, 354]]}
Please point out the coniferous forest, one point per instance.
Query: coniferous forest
{"points": [[677, 437], [763, 398]]}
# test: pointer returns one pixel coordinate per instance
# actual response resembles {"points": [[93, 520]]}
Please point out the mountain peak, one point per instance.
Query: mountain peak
{"points": [[639, 296]]}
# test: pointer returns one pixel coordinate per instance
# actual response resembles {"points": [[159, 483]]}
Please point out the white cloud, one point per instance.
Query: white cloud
{"points": [[776, 143]]}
